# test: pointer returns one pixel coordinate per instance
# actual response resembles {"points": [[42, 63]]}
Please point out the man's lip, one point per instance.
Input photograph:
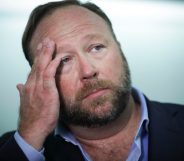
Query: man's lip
{"points": [[96, 93]]}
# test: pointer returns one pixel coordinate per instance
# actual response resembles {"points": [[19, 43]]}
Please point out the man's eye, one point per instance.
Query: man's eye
{"points": [[97, 48], [65, 60]]}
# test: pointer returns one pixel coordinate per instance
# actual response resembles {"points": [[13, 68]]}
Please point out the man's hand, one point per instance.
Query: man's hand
{"points": [[39, 107]]}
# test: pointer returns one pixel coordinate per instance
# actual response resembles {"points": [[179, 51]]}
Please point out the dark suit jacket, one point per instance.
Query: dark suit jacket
{"points": [[166, 138]]}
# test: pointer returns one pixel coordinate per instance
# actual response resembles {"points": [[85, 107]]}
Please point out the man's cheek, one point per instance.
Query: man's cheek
{"points": [[67, 89]]}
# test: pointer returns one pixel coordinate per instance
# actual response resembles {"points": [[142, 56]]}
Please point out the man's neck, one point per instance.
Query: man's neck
{"points": [[129, 119], [113, 141]]}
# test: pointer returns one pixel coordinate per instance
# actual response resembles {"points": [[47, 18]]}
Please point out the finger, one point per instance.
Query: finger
{"points": [[42, 58], [45, 54], [29, 86], [45, 57], [32, 75], [20, 89], [50, 72]]}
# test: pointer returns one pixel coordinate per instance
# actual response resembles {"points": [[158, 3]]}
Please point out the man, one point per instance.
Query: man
{"points": [[78, 102]]}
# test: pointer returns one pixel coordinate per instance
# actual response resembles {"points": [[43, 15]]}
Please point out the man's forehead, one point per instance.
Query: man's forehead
{"points": [[68, 21], [74, 12], [69, 17]]}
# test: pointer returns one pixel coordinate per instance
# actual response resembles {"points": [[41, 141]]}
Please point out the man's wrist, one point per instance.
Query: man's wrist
{"points": [[31, 153]]}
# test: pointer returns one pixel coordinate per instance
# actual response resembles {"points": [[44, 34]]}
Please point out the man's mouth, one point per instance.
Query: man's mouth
{"points": [[96, 93]]}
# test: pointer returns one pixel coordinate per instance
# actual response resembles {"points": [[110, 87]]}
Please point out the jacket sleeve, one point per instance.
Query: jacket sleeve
{"points": [[9, 149]]}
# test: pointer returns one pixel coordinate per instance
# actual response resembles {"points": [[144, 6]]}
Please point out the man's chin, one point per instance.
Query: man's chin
{"points": [[97, 102], [94, 112], [97, 108]]}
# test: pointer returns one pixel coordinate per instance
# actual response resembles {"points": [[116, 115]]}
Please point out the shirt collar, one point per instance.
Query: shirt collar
{"points": [[139, 146], [65, 133], [138, 96]]}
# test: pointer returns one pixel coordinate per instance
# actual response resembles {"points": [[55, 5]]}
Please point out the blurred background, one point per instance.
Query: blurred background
{"points": [[151, 34]]}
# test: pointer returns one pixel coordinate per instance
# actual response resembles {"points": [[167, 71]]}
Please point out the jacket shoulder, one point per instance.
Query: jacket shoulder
{"points": [[5, 137], [166, 131], [9, 149], [165, 110]]}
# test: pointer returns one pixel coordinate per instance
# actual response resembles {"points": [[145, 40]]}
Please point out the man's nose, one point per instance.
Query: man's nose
{"points": [[87, 68]]}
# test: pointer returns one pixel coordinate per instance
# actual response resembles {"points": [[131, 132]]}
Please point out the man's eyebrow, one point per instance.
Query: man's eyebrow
{"points": [[64, 48], [87, 38], [94, 37]]}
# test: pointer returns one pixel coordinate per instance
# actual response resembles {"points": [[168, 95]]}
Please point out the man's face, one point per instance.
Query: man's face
{"points": [[93, 77]]}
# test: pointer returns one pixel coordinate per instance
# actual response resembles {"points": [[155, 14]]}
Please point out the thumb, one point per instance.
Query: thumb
{"points": [[20, 89]]}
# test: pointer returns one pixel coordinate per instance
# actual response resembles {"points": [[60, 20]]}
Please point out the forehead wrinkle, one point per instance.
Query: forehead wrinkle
{"points": [[58, 36], [64, 48], [60, 30], [77, 30], [64, 43], [87, 39], [96, 36]]}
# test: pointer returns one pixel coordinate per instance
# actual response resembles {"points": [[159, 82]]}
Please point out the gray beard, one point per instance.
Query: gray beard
{"points": [[84, 118], [78, 116], [74, 114]]}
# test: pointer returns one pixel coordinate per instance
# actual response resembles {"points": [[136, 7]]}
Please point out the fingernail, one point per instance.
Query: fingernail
{"points": [[39, 46], [45, 41]]}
